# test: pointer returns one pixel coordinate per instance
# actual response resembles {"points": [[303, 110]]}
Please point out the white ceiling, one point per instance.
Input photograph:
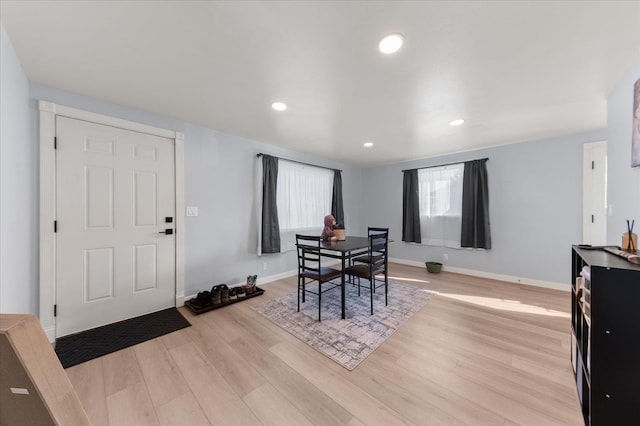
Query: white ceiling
{"points": [[515, 71]]}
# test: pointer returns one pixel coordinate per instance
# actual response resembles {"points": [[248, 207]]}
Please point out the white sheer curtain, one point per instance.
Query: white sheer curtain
{"points": [[440, 190], [303, 198]]}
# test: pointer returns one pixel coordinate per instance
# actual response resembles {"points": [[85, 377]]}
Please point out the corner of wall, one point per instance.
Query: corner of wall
{"points": [[18, 187]]}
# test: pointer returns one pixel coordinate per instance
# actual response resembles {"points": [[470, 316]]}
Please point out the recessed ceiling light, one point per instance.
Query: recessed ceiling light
{"points": [[368, 144], [391, 43], [457, 122], [279, 106]]}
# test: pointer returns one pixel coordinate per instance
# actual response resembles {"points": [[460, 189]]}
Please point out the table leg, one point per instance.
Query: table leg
{"points": [[343, 284]]}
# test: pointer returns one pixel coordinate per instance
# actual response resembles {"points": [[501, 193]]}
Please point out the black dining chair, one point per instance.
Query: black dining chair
{"points": [[373, 264], [378, 253], [310, 269]]}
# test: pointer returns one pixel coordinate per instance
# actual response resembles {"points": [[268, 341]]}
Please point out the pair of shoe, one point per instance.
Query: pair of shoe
{"points": [[219, 294], [241, 291], [237, 292], [215, 295], [224, 293], [202, 300]]}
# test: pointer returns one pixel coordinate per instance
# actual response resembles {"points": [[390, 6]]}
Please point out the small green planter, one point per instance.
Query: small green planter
{"points": [[434, 267]]}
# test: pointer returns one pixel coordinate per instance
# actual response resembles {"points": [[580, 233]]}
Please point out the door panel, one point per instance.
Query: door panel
{"points": [[113, 189], [98, 207], [145, 267], [145, 196], [98, 274]]}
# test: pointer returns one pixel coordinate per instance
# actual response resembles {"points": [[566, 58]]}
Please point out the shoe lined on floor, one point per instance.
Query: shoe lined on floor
{"points": [[224, 293], [240, 291], [215, 295], [203, 299]]}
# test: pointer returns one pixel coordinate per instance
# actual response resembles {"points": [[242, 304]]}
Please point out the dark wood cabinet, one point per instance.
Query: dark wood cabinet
{"points": [[605, 346]]}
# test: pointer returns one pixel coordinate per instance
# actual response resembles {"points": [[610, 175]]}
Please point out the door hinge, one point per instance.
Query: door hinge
{"points": [[55, 142], [593, 219], [593, 165], [55, 310], [55, 226]]}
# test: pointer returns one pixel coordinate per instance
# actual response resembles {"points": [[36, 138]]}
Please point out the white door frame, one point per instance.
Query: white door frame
{"points": [[590, 212], [48, 113]]}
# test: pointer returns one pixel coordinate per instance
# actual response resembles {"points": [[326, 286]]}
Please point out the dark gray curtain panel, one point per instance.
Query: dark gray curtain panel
{"points": [[476, 232], [270, 227], [410, 207], [337, 208]]}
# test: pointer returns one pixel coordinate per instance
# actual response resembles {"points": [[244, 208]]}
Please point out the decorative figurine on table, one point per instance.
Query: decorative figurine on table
{"points": [[329, 226]]}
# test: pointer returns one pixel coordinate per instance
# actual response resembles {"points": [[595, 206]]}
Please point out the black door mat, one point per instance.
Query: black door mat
{"points": [[94, 343]]}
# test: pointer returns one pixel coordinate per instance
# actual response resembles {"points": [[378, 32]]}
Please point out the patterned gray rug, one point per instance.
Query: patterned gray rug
{"points": [[348, 342]]}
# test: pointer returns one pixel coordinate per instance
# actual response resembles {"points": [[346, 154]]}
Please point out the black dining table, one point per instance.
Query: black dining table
{"points": [[344, 250]]}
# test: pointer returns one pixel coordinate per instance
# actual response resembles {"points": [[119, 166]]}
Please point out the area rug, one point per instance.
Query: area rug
{"points": [[348, 342], [94, 343]]}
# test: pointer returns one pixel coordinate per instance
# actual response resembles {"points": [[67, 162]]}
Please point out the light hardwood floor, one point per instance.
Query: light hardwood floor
{"points": [[480, 352]]}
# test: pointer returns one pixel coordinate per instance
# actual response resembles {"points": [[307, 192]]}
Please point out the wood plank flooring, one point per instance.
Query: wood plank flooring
{"points": [[480, 352]]}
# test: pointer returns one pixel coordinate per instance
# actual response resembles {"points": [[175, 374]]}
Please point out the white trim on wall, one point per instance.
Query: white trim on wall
{"points": [[594, 193], [48, 113], [180, 213], [491, 275]]}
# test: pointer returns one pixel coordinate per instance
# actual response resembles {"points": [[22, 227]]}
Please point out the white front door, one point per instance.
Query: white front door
{"points": [[115, 196], [594, 193]]}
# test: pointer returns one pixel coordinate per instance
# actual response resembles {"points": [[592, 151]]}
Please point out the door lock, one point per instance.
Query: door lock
{"points": [[167, 231]]}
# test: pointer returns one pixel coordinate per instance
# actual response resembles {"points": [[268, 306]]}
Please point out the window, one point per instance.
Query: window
{"points": [[303, 199], [440, 204]]}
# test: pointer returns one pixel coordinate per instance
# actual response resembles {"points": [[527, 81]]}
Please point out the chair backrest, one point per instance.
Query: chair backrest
{"points": [[371, 230], [378, 244], [308, 247]]}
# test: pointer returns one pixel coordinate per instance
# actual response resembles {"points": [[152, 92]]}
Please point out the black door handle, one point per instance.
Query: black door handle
{"points": [[167, 231]]}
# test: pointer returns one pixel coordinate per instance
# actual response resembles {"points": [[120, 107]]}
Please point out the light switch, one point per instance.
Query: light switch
{"points": [[192, 211]]}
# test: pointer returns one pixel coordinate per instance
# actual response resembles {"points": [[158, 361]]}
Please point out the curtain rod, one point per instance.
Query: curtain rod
{"points": [[300, 162], [448, 164]]}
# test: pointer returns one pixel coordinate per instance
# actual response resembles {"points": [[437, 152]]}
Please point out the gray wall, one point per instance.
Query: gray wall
{"points": [[535, 191], [18, 188], [219, 179], [623, 185], [220, 243], [535, 194]]}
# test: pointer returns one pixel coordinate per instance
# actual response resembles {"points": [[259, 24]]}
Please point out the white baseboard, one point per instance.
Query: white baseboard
{"points": [[463, 271], [50, 333], [491, 275], [276, 277], [180, 300]]}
